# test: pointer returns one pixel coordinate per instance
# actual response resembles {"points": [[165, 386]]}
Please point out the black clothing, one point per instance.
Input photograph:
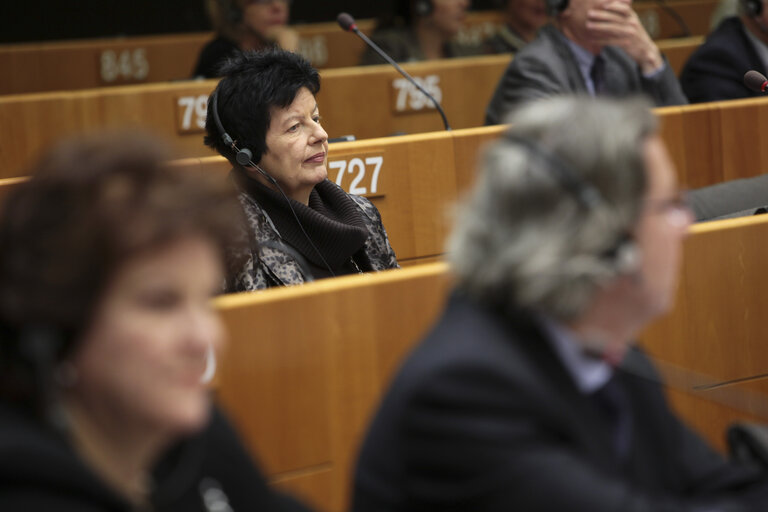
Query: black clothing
{"points": [[41, 472], [716, 69], [333, 221], [484, 416], [213, 55]]}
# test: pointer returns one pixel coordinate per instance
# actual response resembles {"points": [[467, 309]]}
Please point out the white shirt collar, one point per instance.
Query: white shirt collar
{"points": [[590, 374]]}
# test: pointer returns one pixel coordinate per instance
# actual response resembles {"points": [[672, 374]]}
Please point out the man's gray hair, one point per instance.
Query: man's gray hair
{"points": [[525, 238]]}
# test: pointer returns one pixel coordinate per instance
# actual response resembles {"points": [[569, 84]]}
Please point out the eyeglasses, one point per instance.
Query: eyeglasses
{"points": [[677, 207]]}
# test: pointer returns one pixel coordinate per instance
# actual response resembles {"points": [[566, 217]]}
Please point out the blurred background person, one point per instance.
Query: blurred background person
{"points": [[522, 20], [716, 69], [242, 25], [528, 394], [108, 265], [593, 47], [421, 30], [300, 225]]}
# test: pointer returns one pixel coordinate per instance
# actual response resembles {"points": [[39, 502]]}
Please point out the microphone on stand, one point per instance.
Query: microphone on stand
{"points": [[347, 22], [755, 81]]}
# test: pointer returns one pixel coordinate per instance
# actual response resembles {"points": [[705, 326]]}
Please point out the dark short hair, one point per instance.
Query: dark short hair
{"points": [[253, 83], [91, 205]]}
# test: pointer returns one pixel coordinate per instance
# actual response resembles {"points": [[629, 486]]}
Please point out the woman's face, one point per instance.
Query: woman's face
{"points": [[449, 15], [264, 17], [141, 361], [297, 147]]}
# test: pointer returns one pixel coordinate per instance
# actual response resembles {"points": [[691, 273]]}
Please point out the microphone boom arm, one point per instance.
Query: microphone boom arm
{"points": [[389, 59]]}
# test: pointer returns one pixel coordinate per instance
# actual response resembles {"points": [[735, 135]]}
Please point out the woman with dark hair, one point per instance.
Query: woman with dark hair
{"points": [[109, 260], [263, 117], [243, 25], [421, 30]]}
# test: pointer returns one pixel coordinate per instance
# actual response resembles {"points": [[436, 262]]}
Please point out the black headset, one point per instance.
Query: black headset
{"points": [[423, 8], [753, 8], [623, 253], [243, 156], [555, 7]]}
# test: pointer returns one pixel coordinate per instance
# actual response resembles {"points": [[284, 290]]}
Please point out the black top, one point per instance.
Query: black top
{"points": [[332, 220], [213, 55], [483, 416], [40, 471], [716, 69]]}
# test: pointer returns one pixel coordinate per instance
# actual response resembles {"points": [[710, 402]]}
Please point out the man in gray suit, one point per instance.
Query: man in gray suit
{"points": [[595, 47]]}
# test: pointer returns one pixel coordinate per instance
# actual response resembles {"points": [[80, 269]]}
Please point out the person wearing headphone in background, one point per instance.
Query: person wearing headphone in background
{"points": [[594, 47], [716, 69], [242, 25], [421, 30], [109, 262], [528, 393], [263, 117], [522, 20]]}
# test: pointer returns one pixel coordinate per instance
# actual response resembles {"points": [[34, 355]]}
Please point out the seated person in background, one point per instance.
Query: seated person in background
{"points": [[528, 393], [595, 47], [421, 30], [300, 225], [522, 20], [716, 69], [244, 25], [108, 265]]}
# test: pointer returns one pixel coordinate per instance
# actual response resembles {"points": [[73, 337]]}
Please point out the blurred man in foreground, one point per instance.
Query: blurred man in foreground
{"points": [[520, 398]]}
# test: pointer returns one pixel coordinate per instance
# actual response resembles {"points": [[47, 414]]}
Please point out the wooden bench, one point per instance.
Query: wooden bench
{"points": [[365, 102], [67, 65], [414, 179], [679, 50], [306, 366]]}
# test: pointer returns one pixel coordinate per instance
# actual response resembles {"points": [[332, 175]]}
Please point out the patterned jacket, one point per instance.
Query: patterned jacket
{"points": [[260, 263]]}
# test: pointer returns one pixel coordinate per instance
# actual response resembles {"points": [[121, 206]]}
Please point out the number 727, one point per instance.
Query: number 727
{"points": [[357, 167]]}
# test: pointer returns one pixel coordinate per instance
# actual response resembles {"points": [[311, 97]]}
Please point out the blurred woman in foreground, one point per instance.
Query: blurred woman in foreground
{"points": [[109, 260]]}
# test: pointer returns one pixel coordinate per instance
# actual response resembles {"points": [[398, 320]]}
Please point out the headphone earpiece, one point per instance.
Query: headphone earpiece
{"points": [[244, 156], [625, 257], [555, 7], [753, 8], [423, 8]]}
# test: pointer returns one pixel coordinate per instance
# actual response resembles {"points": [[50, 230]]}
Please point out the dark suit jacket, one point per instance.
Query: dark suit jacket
{"points": [[546, 66], [483, 417], [716, 69]]}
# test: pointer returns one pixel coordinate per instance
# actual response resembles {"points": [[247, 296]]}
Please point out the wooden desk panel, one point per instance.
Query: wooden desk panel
{"points": [[357, 329], [660, 24], [364, 101], [717, 327], [678, 51], [70, 65], [306, 365], [352, 101], [743, 125]]}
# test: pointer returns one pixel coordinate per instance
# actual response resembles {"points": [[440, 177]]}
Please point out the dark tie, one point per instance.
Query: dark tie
{"points": [[614, 403], [597, 74]]}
